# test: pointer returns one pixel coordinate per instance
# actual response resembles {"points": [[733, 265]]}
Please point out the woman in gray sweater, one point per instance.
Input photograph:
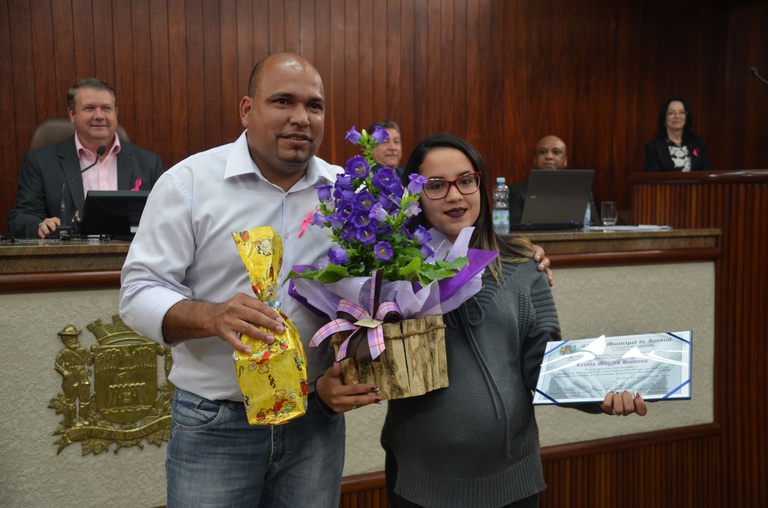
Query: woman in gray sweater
{"points": [[476, 443]]}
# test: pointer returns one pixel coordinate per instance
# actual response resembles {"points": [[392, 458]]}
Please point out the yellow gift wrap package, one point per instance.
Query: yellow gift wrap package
{"points": [[273, 378]]}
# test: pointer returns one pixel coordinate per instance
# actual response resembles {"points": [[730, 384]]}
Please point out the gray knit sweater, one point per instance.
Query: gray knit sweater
{"points": [[476, 442]]}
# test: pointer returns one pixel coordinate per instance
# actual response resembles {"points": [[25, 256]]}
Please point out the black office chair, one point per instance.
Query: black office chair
{"points": [[55, 129]]}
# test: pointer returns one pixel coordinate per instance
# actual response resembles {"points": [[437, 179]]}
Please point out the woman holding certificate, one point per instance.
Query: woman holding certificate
{"points": [[475, 443]]}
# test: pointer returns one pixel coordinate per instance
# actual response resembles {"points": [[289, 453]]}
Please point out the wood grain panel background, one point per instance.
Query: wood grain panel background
{"points": [[501, 73]]}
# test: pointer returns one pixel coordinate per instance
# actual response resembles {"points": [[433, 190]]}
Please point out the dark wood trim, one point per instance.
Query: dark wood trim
{"points": [[707, 177], [58, 281], [618, 443], [633, 258]]}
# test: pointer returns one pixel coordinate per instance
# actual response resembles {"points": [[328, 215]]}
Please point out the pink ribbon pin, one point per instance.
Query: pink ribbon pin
{"points": [[137, 185]]}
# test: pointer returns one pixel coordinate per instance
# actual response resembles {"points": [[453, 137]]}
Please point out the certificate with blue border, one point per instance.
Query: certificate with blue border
{"points": [[655, 365]]}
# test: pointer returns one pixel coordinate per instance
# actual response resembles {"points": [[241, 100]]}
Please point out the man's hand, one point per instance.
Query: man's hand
{"points": [[240, 315], [340, 397], [540, 257], [48, 226]]}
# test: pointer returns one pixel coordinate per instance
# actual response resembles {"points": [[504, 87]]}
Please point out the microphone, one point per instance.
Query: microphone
{"points": [[65, 230], [753, 71]]}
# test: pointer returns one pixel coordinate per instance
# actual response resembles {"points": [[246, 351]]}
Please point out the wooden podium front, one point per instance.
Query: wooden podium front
{"points": [[736, 202]]}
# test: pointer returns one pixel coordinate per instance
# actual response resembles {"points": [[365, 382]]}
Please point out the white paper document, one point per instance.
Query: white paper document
{"points": [[656, 365]]}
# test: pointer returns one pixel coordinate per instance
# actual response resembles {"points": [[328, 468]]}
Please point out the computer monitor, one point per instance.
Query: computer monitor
{"points": [[113, 213]]}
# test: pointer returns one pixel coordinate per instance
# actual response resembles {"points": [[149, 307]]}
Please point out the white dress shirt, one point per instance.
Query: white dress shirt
{"points": [[184, 249]]}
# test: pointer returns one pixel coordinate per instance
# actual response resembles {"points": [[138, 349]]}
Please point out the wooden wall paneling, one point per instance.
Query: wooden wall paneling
{"points": [[83, 37], [8, 142], [125, 65], [104, 44], [366, 70], [195, 54], [334, 81], [177, 70], [321, 58], [444, 81], [141, 102], [209, 103], [63, 45], [23, 105], [404, 85], [347, 84], [247, 33], [456, 34], [480, 60], [387, 70], [162, 119], [43, 60], [230, 84]]}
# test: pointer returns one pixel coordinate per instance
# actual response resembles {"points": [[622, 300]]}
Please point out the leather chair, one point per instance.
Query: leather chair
{"points": [[55, 129]]}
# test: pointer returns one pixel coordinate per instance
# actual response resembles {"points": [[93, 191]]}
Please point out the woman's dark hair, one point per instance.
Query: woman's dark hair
{"points": [[661, 131], [515, 250]]}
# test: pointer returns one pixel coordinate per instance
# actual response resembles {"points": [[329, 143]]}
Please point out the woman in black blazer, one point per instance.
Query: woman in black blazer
{"points": [[676, 147]]}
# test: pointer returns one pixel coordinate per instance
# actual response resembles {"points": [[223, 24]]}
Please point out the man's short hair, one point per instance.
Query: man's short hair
{"points": [[385, 124], [88, 83]]}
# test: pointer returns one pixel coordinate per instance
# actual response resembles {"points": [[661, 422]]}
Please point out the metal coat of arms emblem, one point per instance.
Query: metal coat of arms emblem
{"points": [[127, 405]]}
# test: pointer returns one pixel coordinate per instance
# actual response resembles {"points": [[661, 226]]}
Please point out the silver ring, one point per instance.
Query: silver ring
{"points": [[40, 225]]}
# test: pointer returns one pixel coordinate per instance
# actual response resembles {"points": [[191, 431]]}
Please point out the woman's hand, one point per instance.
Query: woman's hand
{"points": [[623, 404]]}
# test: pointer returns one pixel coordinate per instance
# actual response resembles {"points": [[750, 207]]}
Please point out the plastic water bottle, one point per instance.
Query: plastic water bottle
{"points": [[587, 218], [501, 207]]}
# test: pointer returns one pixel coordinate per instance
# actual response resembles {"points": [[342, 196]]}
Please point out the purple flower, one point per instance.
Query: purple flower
{"points": [[416, 183], [413, 209], [357, 167], [422, 235], [385, 178], [383, 251], [364, 200], [366, 235], [338, 256], [427, 251], [324, 193], [361, 220], [343, 182], [341, 215], [378, 212], [379, 134], [318, 219], [353, 136], [348, 233], [388, 202], [344, 195]]}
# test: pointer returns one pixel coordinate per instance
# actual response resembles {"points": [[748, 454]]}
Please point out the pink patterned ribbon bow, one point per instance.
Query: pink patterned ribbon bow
{"points": [[354, 317]]}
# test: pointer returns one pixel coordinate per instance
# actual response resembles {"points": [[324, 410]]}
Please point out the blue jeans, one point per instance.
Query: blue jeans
{"points": [[217, 459]]}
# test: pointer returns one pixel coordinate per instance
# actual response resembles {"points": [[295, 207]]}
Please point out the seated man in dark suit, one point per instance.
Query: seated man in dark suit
{"points": [[550, 153], [389, 152], [51, 181]]}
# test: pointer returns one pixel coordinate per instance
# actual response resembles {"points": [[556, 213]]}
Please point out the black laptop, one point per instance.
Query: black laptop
{"points": [[555, 199]]}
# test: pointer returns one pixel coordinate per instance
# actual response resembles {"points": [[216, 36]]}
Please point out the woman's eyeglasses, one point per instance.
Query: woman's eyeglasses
{"points": [[438, 189]]}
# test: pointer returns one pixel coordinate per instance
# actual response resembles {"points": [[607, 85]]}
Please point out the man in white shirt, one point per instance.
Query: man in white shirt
{"points": [[185, 285]]}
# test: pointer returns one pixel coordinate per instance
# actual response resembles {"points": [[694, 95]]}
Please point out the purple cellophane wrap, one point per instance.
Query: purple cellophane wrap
{"points": [[414, 300]]}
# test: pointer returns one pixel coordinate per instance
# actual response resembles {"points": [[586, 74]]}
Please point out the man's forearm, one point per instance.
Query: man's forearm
{"points": [[189, 319]]}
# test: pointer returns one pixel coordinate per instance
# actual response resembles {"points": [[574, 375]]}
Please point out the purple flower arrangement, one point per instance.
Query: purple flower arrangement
{"points": [[368, 211]]}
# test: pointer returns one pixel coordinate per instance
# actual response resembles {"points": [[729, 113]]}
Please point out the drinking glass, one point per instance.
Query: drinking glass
{"points": [[608, 213]]}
